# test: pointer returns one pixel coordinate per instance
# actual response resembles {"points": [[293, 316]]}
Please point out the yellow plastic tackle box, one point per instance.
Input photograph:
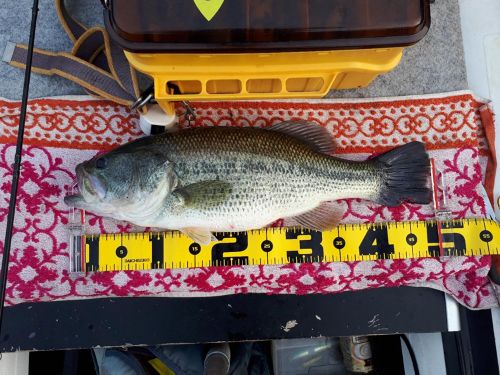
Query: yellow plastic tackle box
{"points": [[257, 49]]}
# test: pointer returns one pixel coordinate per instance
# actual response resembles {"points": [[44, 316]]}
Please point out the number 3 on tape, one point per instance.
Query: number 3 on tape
{"points": [[208, 8]]}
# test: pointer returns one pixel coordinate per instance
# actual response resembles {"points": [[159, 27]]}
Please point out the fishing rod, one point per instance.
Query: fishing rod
{"points": [[17, 164]]}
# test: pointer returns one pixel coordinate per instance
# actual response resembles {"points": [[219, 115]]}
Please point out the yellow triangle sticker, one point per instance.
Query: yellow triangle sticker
{"points": [[208, 8]]}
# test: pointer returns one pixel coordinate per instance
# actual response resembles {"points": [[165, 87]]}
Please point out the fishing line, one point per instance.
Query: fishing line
{"points": [[17, 163]]}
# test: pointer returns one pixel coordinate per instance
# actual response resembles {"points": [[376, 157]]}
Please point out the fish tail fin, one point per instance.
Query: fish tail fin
{"points": [[405, 172]]}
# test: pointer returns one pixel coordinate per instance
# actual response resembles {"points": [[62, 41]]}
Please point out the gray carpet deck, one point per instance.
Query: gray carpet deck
{"points": [[436, 64]]}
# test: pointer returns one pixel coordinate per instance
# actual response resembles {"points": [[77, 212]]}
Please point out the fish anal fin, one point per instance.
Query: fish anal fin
{"points": [[321, 218]]}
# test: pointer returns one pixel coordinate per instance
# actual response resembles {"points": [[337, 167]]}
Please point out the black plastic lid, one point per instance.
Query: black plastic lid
{"points": [[266, 25]]}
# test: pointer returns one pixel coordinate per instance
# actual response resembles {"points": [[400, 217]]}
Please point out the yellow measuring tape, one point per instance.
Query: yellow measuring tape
{"points": [[347, 242]]}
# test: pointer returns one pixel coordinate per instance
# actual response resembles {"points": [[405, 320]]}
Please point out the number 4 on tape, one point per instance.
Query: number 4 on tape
{"points": [[208, 8]]}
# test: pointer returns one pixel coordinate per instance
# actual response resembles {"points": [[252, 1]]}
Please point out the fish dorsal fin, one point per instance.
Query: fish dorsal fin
{"points": [[316, 136], [320, 218], [203, 194]]}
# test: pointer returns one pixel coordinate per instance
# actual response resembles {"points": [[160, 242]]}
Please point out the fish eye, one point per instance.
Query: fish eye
{"points": [[100, 163]]}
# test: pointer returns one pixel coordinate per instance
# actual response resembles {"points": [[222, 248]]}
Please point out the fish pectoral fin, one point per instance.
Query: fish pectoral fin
{"points": [[203, 193], [200, 235], [321, 218], [316, 136]]}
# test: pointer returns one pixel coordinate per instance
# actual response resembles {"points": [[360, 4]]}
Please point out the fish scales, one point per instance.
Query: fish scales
{"points": [[269, 173]]}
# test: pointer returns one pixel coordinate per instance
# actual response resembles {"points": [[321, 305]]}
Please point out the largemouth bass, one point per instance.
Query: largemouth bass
{"points": [[210, 179]]}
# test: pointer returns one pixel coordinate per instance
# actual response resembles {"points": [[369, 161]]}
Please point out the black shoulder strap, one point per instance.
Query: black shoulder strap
{"points": [[95, 62]]}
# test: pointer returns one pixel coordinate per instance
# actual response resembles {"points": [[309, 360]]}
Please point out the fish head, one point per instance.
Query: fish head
{"points": [[114, 181]]}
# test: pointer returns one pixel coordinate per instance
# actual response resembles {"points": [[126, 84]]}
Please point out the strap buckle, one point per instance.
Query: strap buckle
{"points": [[189, 113], [146, 97], [105, 3]]}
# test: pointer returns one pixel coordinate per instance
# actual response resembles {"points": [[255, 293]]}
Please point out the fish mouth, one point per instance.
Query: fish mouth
{"points": [[75, 200], [75, 197], [83, 190]]}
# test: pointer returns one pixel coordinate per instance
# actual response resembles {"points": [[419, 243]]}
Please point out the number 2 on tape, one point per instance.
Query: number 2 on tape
{"points": [[218, 250]]}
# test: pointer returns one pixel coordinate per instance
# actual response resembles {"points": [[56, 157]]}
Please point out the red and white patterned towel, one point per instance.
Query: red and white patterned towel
{"points": [[63, 132]]}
